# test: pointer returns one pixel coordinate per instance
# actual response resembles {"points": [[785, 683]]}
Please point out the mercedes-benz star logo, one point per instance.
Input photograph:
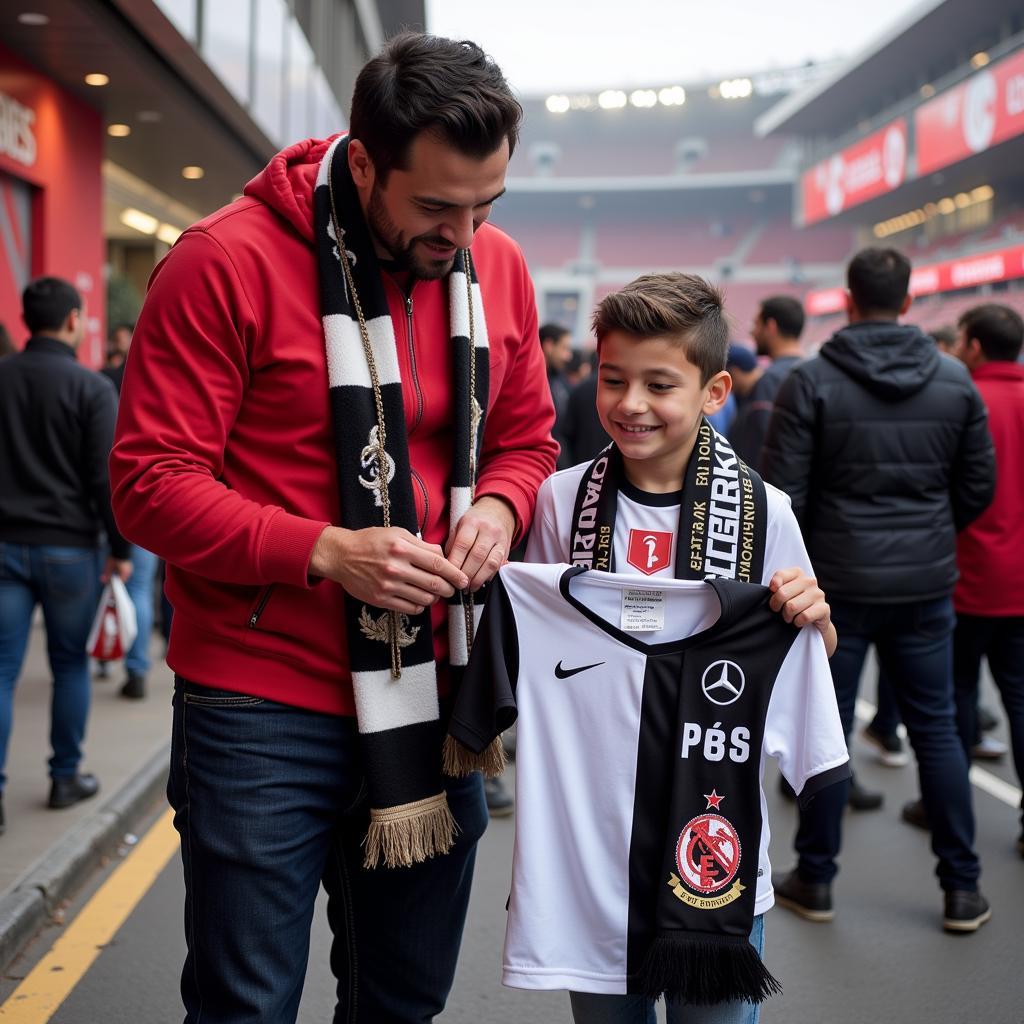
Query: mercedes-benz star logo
{"points": [[722, 682]]}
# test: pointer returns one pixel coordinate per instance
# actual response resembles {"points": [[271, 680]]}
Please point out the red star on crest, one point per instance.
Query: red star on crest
{"points": [[713, 800]]}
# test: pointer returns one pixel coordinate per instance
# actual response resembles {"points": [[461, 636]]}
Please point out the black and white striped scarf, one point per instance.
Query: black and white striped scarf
{"points": [[391, 655]]}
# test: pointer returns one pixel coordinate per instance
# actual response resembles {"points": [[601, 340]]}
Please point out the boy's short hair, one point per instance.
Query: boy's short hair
{"points": [[46, 303], [878, 280], [998, 329], [683, 307]]}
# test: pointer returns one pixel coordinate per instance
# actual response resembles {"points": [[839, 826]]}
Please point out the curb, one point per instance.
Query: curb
{"points": [[30, 902]]}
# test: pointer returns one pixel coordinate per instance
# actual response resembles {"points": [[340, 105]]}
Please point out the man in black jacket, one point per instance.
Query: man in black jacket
{"points": [[56, 430], [883, 447]]}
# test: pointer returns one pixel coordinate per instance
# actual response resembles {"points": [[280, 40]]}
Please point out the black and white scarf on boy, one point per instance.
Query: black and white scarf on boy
{"points": [[391, 655], [723, 513]]}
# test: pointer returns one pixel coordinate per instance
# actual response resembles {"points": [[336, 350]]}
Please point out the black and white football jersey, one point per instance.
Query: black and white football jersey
{"points": [[645, 708]]}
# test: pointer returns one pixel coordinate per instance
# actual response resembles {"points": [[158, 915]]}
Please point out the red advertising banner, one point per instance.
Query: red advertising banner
{"points": [[980, 112], [984, 268], [871, 167]]}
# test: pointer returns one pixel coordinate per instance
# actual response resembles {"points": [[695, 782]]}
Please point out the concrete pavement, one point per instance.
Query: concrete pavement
{"points": [[45, 854]]}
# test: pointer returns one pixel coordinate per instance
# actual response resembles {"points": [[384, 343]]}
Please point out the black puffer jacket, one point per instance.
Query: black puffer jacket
{"points": [[883, 446]]}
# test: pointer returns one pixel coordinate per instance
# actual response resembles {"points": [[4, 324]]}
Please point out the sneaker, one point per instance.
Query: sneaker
{"points": [[965, 911], [861, 799], [499, 801], [134, 686], [891, 751], [915, 814], [69, 791], [811, 900], [988, 748], [987, 721]]}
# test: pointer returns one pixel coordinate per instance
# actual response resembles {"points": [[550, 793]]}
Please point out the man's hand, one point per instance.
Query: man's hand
{"points": [[482, 540], [801, 601], [121, 567], [389, 568]]}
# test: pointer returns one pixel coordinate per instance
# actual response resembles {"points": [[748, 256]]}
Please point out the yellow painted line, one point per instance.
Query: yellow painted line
{"points": [[50, 982]]}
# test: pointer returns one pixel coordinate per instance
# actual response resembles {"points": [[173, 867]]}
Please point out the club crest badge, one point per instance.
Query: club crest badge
{"points": [[708, 854], [370, 461], [649, 551]]}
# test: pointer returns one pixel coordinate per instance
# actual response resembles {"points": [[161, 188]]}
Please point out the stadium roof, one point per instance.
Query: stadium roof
{"points": [[928, 30]]}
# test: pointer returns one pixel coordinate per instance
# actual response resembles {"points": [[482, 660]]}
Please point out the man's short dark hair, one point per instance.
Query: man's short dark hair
{"points": [[787, 312], [878, 280], [124, 325], [682, 307], [46, 303], [428, 83], [944, 336], [999, 330], [553, 332]]}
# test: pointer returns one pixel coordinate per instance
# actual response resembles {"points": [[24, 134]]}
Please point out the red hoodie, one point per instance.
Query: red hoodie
{"points": [[990, 552], [224, 461]]}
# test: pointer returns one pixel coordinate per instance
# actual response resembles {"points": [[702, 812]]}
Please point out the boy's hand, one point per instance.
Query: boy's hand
{"points": [[801, 601]]}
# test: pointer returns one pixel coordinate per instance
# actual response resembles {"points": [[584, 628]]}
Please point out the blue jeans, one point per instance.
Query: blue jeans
{"points": [[66, 582], [595, 1008], [914, 643], [270, 800], [1001, 640], [140, 590]]}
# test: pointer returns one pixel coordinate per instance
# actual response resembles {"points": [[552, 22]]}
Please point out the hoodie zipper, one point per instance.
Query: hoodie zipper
{"points": [[418, 480], [412, 364], [260, 605]]}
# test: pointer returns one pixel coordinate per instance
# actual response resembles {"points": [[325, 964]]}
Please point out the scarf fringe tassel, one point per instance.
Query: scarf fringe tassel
{"points": [[704, 972], [405, 835], [458, 760]]}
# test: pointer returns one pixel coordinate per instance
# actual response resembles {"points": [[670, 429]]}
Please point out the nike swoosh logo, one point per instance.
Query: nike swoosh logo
{"points": [[564, 673]]}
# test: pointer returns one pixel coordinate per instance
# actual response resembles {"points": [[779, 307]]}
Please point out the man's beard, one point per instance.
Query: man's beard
{"points": [[403, 251]]}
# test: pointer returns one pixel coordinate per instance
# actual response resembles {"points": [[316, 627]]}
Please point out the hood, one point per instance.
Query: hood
{"points": [[286, 184], [891, 360]]}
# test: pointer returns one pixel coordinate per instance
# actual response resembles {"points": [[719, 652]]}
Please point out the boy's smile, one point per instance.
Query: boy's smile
{"points": [[650, 401]]}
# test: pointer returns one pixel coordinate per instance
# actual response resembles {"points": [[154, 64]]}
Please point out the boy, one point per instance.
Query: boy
{"points": [[662, 344]]}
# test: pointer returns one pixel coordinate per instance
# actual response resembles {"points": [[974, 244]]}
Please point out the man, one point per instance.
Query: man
{"points": [[882, 445], [56, 428], [988, 598], [117, 353], [144, 563], [776, 331], [319, 353], [556, 343]]}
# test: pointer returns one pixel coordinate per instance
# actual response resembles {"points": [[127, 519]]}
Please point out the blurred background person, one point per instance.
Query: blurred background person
{"points": [[556, 341], [56, 430], [989, 599], [776, 331]]}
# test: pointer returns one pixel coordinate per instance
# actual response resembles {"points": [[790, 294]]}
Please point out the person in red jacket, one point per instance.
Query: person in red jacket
{"points": [[301, 362], [988, 598]]}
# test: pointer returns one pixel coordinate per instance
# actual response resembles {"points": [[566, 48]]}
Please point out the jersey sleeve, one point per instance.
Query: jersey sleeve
{"points": [[486, 703], [803, 730], [784, 545], [545, 546]]}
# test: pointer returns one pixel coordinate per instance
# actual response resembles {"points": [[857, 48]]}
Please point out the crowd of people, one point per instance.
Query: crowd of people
{"points": [[339, 417]]}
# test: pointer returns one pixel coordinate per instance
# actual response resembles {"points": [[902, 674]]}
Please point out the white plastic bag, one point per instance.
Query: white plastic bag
{"points": [[115, 627]]}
